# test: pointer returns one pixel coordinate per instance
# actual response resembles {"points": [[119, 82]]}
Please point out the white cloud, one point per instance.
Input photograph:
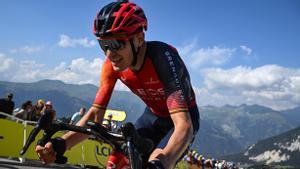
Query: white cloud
{"points": [[27, 49], [211, 56], [78, 71], [269, 85], [66, 41], [245, 77], [246, 49], [13, 70], [5, 63], [27, 70]]}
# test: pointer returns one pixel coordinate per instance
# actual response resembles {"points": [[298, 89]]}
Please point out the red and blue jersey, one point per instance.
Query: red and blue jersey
{"points": [[163, 81]]}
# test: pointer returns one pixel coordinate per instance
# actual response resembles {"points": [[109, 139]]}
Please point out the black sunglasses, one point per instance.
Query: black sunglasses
{"points": [[111, 44]]}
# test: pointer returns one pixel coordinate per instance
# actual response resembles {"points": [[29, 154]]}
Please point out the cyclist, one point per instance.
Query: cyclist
{"points": [[153, 71]]}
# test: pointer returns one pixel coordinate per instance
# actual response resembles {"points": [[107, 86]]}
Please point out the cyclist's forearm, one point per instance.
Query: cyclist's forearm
{"points": [[179, 140], [177, 144], [73, 138]]}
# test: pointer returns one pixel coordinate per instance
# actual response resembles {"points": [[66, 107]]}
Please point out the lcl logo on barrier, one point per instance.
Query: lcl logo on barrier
{"points": [[103, 151]]}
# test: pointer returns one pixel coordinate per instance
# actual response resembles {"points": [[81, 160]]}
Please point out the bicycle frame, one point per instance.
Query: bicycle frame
{"points": [[135, 146]]}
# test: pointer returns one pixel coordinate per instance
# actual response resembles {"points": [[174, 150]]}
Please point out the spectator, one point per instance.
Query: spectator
{"points": [[7, 105], [49, 106], [190, 157], [208, 163], [199, 161], [26, 112], [219, 164], [77, 116], [37, 109], [109, 124]]}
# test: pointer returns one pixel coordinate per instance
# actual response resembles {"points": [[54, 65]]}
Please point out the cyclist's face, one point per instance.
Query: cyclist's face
{"points": [[121, 57], [120, 52]]}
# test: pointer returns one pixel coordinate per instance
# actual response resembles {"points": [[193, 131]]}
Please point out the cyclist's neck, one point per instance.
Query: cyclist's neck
{"points": [[140, 58]]}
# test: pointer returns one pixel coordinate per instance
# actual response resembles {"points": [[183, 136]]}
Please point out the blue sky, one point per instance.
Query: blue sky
{"points": [[236, 51]]}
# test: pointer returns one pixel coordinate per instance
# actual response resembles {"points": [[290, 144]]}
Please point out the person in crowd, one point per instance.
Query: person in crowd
{"points": [[37, 109], [109, 123], [199, 161], [208, 163], [203, 162], [49, 107], [224, 164], [190, 158], [77, 116], [26, 111], [7, 105]]}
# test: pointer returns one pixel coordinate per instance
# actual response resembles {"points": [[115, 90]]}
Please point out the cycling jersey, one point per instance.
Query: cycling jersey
{"points": [[162, 82]]}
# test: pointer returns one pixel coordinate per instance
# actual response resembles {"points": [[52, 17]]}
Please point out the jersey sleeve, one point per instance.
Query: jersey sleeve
{"points": [[107, 83], [175, 78]]}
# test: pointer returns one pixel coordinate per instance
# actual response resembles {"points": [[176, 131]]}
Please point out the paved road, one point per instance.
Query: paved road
{"points": [[30, 164]]}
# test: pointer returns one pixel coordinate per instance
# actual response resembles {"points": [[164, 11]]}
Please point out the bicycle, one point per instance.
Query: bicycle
{"points": [[126, 141]]}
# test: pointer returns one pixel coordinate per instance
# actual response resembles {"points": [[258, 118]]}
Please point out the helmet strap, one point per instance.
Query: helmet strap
{"points": [[134, 52]]}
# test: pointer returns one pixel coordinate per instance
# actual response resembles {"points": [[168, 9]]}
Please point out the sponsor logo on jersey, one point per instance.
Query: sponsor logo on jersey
{"points": [[151, 81]]}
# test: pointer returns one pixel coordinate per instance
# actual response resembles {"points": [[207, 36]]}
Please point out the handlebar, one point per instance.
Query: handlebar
{"points": [[135, 144]]}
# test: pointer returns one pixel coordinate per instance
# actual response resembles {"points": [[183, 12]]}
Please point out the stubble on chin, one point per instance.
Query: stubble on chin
{"points": [[117, 69]]}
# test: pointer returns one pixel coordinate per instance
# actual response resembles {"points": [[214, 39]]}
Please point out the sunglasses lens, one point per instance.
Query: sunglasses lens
{"points": [[112, 45]]}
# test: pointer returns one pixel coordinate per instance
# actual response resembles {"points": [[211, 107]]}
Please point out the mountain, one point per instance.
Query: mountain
{"points": [[292, 115], [283, 149], [212, 142], [68, 98], [223, 130], [246, 123]]}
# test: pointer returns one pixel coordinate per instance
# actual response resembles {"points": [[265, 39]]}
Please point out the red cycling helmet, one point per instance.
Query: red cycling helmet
{"points": [[120, 20]]}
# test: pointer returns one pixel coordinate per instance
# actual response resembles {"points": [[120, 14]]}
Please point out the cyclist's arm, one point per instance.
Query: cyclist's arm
{"points": [[178, 90], [73, 138], [179, 141], [96, 112]]}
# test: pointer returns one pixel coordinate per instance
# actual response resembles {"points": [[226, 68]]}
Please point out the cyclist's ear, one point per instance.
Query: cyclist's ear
{"points": [[139, 39]]}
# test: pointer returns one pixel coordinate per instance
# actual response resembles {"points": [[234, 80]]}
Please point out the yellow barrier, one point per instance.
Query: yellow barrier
{"points": [[11, 140], [88, 152], [116, 115]]}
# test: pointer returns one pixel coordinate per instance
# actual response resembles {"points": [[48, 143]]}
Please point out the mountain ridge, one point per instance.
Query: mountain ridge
{"points": [[282, 149]]}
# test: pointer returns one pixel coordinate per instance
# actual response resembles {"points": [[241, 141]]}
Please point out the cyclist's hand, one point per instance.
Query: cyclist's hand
{"points": [[46, 154]]}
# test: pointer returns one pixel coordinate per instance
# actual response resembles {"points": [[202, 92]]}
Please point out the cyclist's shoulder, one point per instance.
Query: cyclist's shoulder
{"points": [[160, 52], [159, 46]]}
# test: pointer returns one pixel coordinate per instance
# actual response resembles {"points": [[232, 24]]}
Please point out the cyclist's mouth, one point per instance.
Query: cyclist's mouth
{"points": [[116, 61]]}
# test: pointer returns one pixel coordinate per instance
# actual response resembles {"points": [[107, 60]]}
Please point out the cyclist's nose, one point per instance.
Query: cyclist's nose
{"points": [[109, 53]]}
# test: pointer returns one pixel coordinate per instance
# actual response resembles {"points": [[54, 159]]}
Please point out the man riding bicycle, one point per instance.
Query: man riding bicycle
{"points": [[153, 71]]}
